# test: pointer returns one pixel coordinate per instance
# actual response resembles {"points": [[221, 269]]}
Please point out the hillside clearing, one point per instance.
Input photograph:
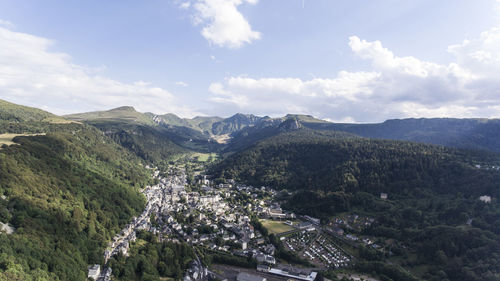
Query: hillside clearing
{"points": [[7, 138], [59, 120], [204, 157]]}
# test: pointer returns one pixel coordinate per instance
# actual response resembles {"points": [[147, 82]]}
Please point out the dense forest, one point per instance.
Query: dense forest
{"points": [[66, 194], [433, 205], [332, 162], [151, 260], [152, 144], [461, 133]]}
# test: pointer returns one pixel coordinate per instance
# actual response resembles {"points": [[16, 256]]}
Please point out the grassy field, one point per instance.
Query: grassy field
{"points": [[7, 138], [59, 120], [276, 227], [203, 157]]}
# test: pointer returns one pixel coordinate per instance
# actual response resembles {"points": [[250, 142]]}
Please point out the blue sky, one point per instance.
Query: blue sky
{"points": [[349, 61]]}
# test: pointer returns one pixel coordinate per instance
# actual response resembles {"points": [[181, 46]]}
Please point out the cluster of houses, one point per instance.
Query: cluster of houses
{"points": [[213, 216], [157, 199], [350, 221], [196, 272]]}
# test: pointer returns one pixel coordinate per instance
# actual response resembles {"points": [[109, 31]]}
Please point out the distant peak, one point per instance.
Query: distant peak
{"points": [[298, 115], [241, 115], [124, 108], [290, 124]]}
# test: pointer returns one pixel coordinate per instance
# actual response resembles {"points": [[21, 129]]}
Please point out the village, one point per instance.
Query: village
{"points": [[234, 219]]}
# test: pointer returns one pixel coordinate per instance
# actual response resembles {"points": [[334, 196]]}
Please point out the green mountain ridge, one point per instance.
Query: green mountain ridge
{"points": [[433, 191], [66, 194], [469, 133], [153, 144], [473, 133], [123, 113], [10, 112]]}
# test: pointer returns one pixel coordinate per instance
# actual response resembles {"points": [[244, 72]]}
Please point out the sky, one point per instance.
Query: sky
{"points": [[339, 60]]}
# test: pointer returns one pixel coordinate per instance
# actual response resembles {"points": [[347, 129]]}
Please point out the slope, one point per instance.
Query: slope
{"points": [[152, 143], [462, 133], [13, 113], [155, 138], [210, 126], [65, 193], [433, 209], [124, 113], [341, 162]]}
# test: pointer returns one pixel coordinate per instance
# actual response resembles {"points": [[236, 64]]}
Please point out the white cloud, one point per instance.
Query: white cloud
{"points": [[31, 74], [278, 96], [223, 25], [481, 55], [382, 58], [6, 23], [185, 5], [181, 83], [395, 87], [215, 59]]}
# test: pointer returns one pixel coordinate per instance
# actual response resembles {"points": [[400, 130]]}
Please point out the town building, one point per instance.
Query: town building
{"points": [[94, 271]]}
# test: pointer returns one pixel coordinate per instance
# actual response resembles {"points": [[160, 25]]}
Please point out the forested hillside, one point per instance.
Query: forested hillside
{"points": [[333, 161], [65, 194], [461, 133], [433, 191], [10, 112], [154, 138], [152, 144]]}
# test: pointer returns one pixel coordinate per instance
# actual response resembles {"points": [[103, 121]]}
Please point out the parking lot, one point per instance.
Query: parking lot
{"points": [[317, 249]]}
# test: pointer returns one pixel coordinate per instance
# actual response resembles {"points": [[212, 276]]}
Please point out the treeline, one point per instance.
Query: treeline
{"points": [[384, 271], [29, 127], [66, 194], [210, 257]]}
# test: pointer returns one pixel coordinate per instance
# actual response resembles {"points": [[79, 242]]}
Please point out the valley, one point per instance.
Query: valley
{"points": [[124, 195], [226, 220]]}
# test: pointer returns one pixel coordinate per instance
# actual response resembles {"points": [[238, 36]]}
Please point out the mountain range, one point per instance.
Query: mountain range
{"points": [[472, 133]]}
